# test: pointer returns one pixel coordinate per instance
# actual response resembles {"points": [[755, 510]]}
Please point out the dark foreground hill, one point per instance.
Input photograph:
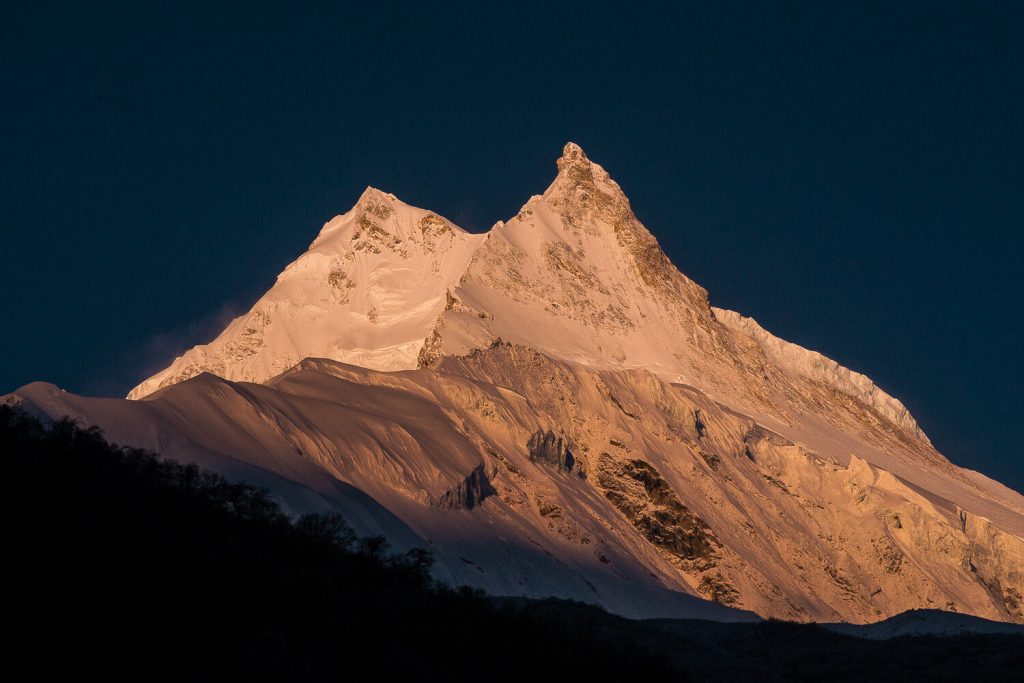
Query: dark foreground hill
{"points": [[119, 564]]}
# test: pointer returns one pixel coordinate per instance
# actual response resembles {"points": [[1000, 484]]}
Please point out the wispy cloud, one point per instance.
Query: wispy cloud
{"points": [[157, 352]]}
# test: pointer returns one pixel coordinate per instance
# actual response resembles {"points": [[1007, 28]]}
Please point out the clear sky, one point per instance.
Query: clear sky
{"points": [[852, 176]]}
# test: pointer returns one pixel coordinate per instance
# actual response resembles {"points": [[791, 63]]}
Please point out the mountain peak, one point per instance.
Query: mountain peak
{"points": [[578, 175], [575, 166], [572, 154], [371, 196]]}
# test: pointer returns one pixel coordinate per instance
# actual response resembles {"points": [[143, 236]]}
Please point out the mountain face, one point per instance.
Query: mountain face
{"points": [[552, 408]]}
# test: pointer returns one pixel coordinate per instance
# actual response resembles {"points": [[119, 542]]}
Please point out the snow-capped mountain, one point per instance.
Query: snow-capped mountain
{"points": [[552, 408], [366, 292]]}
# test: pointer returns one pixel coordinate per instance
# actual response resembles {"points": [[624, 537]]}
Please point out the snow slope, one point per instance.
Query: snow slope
{"points": [[926, 623]]}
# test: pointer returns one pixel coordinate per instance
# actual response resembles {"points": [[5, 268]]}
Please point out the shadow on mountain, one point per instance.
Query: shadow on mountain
{"points": [[120, 564]]}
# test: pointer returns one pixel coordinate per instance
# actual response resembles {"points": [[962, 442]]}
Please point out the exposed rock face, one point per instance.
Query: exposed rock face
{"points": [[554, 409], [469, 493], [547, 448], [638, 491]]}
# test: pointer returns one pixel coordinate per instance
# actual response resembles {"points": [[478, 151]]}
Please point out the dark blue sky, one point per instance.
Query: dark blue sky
{"points": [[852, 177]]}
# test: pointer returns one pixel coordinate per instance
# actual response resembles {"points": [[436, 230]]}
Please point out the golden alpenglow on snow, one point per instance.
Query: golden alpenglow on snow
{"points": [[552, 409]]}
